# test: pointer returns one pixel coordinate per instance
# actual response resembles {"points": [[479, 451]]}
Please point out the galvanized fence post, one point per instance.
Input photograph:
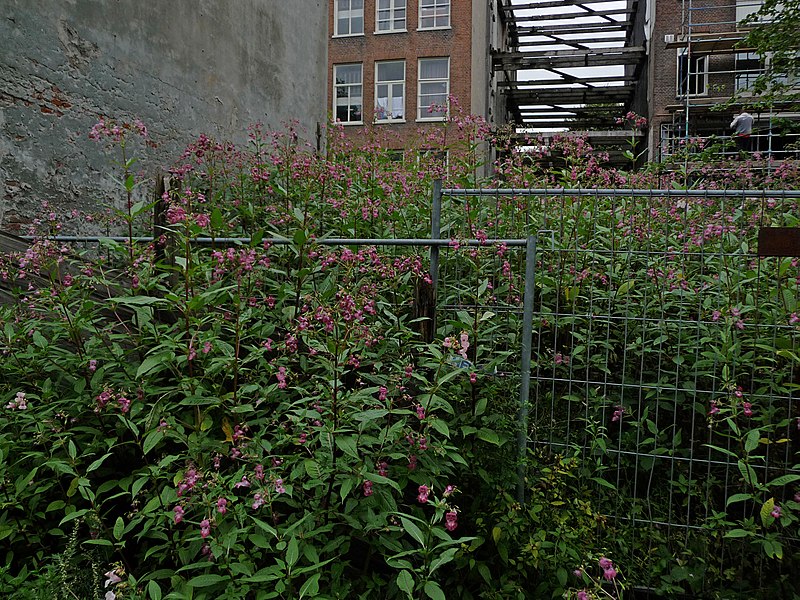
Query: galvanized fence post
{"points": [[436, 226], [525, 365]]}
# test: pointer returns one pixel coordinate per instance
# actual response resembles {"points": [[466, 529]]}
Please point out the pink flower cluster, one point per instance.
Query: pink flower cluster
{"points": [[609, 572], [18, 403]]}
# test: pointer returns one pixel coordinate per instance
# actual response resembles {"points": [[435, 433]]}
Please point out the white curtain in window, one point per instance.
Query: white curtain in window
{"points": [[433, 69]]}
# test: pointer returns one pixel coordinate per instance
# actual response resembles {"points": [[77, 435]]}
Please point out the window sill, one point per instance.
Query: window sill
{"points": [[431, 119], [434, 28], [391, 31], [390, 122], [348, 123], [348, 35]]}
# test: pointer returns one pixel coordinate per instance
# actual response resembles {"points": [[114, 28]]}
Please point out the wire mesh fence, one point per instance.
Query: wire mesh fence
{"points": [[664, 356]]}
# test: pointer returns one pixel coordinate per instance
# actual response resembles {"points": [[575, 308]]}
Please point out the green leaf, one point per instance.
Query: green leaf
{"points": [[488, 435], [784, 480], [96, 464], [266, 527], [348, 445], [738, 498], [433, 591], [764, 513], [748, 473], [207, 580], [311, 587], [621, 291], [737, 533], [151, 440], [405, 582], [441, 426], [119, 528], [154, 590], [751, 441], [312, 468], [413, 530], [292, 552]]}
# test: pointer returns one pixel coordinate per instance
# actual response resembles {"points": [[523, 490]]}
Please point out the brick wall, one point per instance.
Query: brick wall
{"points": [[410, 45]]}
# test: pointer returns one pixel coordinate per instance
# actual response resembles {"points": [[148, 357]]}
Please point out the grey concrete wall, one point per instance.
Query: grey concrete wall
{"points": [[183, 67]]}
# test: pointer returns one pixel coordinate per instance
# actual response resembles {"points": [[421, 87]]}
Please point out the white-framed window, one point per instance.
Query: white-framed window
{"points": [[692, 76], [390, 91], [348, 17], [348, 93], [433, 77], [390, 16], [434, 14], [748, 67]]}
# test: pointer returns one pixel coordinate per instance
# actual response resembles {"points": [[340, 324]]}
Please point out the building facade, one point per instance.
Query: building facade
{"points": [[183, 67], [396, 63], [697, 63]]}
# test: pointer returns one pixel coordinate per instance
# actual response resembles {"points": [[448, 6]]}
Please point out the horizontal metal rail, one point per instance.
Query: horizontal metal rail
{"points": [[622, 192], [286, 241]]}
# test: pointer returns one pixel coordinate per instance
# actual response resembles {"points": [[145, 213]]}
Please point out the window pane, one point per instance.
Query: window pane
{"points": [[433, 69], [391, 71]]}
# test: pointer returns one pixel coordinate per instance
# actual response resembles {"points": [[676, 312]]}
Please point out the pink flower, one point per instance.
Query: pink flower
{"points": [[447, 343], [206, 347], [124, 404], [383, 469], [205, 528], [179, 512], [279, 489], [449, 490], [714, 408], [716, 315], [422, 496], [222, 506], [776, 512], [92, 365], [412, 462], [112, 578], [382, 393], [258, 501], [473, 378], [747, 409], [610, 574], [582, 595], [451, 520], [420, 412], [244, 483], [302, 438], [578, 573], [368, 488], [259, 472], [617, 414], [605, 563]]}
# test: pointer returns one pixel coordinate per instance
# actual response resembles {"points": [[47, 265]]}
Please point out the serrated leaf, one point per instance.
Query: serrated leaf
{"points": [[751, 441], [312, 468], [207, 580], [405, 582], [348, 445], [433, 591], [292, 552], [738, 498], [119, 528], [764, 513], [154, 590], [737, 533], [311, 587], [151, 440], [784, 480]]}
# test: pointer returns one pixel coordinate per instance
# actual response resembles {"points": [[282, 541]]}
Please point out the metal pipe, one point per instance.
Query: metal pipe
{"points": [[286, 241], [729, 193], [525, 365], [436, 227]]}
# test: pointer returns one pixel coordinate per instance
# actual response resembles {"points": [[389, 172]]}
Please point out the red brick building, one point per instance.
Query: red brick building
{"points": [[395, 63]]}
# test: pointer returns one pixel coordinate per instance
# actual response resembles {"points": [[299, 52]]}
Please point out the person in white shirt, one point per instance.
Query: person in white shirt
{"points": [[742, 126]]}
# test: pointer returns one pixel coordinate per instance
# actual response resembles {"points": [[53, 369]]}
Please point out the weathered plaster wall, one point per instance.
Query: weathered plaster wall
{"points": [[184, 67]]}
